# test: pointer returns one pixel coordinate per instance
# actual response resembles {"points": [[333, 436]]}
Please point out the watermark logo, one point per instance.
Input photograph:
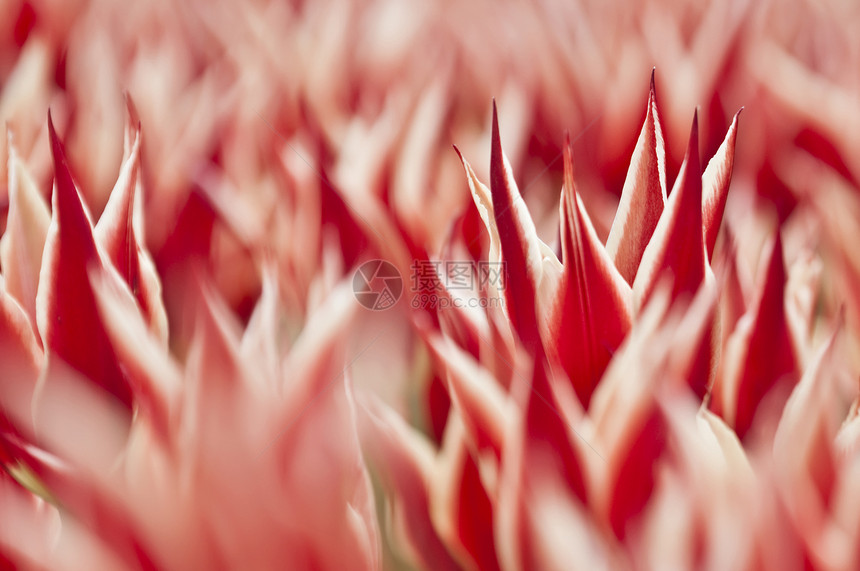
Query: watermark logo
{"points": [[377, 285]]}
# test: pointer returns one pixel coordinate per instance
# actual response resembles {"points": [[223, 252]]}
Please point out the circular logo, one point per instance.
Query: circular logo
{"points": [[377, 285]]}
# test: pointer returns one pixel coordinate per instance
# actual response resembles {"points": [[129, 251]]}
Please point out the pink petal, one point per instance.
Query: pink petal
{"points": [[403, 461], [482, 404], [462, 509], [27, 543], [315, 446], [803, 446], [538, 455], [22, 359], [629, 428], [152, 375], [715, 186], [677, 246], [97, 510], [733, 303], [66, 312], [116, 233], [302, 446], [765, 363], [643, 196], [24, 239], [591, 315]]}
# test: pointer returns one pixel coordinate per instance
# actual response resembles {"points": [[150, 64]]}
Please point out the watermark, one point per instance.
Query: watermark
{"points": [[378, 285], [433, 301], [431, 276]]}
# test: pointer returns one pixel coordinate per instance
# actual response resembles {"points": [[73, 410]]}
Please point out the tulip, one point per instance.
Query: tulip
{"points": [[662, 375]]}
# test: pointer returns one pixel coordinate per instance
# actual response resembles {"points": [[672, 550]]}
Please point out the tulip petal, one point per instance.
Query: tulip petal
{"points": [[539, 454], [66, 311], [715, 186], [22, 359], [116, 233], [461, 508], [153, 376], [483, 406], [484, 204], [404, 461], [591, 315], [26, 231], [760, 358], [643, 196], [27, 543], [520, 246], [677, 246], [630, 429], [804, 441]]}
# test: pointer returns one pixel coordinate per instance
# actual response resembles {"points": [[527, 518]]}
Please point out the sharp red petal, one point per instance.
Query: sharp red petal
{"points": [[643, 196], [677, 246], [518, 240], [715, 186], [591, 316]]}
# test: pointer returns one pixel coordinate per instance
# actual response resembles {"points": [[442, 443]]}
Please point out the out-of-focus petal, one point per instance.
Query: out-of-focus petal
{"points": [[484, 408], [803, 448], [116, 233], [30, 527], [404, 461], [153, 377], [461, 506], [540, 454], [22, 360], [629, 428], [26, 231], [759, 360], [66, 313]]}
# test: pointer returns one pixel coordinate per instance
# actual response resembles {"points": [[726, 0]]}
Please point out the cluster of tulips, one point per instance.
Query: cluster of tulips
{"points": [[661, 373]]}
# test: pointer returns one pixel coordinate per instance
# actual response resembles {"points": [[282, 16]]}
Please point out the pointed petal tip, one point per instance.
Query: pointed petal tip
{"points": [[131, 109], [52, 132], [57, 151], [568, 164], [693, 146], [496, 137]]}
